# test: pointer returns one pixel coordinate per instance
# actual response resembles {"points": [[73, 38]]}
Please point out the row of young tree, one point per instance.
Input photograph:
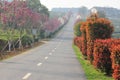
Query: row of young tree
{"points": [[19, 17], [23, 22], [93, 37]]}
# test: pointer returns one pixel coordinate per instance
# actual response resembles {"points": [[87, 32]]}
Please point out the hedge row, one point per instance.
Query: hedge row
{"points": [[95, 28], [106, 55], [96, 44]]}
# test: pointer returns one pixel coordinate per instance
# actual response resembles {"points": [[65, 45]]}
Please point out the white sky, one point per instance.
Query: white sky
{"points": [[78, 3]]}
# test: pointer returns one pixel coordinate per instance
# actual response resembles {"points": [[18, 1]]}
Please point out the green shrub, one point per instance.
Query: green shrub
{"points": [[27, 40], [77, 31]]}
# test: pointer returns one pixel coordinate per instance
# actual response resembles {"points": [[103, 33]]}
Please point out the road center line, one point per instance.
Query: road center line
{"points": [[39, 64], [27, 76], [50, 53], [59, 43], [53, 50], [46, 58]]}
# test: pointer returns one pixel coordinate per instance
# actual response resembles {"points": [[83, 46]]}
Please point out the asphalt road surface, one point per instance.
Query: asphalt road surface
{"points": [[54, 60]]}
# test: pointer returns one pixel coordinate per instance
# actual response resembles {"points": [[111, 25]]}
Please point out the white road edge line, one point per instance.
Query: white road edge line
{"points": [[39, 64], [27, 76], [46, 58]]}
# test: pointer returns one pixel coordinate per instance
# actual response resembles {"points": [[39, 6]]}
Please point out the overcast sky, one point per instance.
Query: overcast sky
{"points": [[78, 3]]}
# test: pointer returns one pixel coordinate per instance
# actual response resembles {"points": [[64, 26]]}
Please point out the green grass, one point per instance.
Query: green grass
{"points": [[90, 72]]}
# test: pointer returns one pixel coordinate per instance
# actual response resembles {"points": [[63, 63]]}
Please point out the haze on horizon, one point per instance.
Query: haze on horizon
{"points": [[79, 3]]}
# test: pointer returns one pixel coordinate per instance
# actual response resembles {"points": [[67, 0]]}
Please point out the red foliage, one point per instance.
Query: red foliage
{"points": [[17, 14], [98, 28], [116, 72], [84, 42], [115, 56], [78, 42], [52, 25], [102, 52]]}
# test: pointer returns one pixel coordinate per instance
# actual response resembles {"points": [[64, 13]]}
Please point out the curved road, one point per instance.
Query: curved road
{"points": [[54, 60]]}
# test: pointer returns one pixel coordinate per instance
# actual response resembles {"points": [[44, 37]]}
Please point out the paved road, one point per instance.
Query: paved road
{"points": [[54, 60]]}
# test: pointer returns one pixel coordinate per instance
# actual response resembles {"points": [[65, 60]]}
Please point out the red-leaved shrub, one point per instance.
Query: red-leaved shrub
{"points": [[96, 44], [102, 54], [78, 42], [84, 42], [96, 28], [115, 56]]}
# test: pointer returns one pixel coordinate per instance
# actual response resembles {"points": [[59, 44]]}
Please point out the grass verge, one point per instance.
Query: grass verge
{"points": [[90, 72]]}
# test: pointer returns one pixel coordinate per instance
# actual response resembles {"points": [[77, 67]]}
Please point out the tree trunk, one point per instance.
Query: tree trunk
{"points": [[9, 45], [20, 43]]}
